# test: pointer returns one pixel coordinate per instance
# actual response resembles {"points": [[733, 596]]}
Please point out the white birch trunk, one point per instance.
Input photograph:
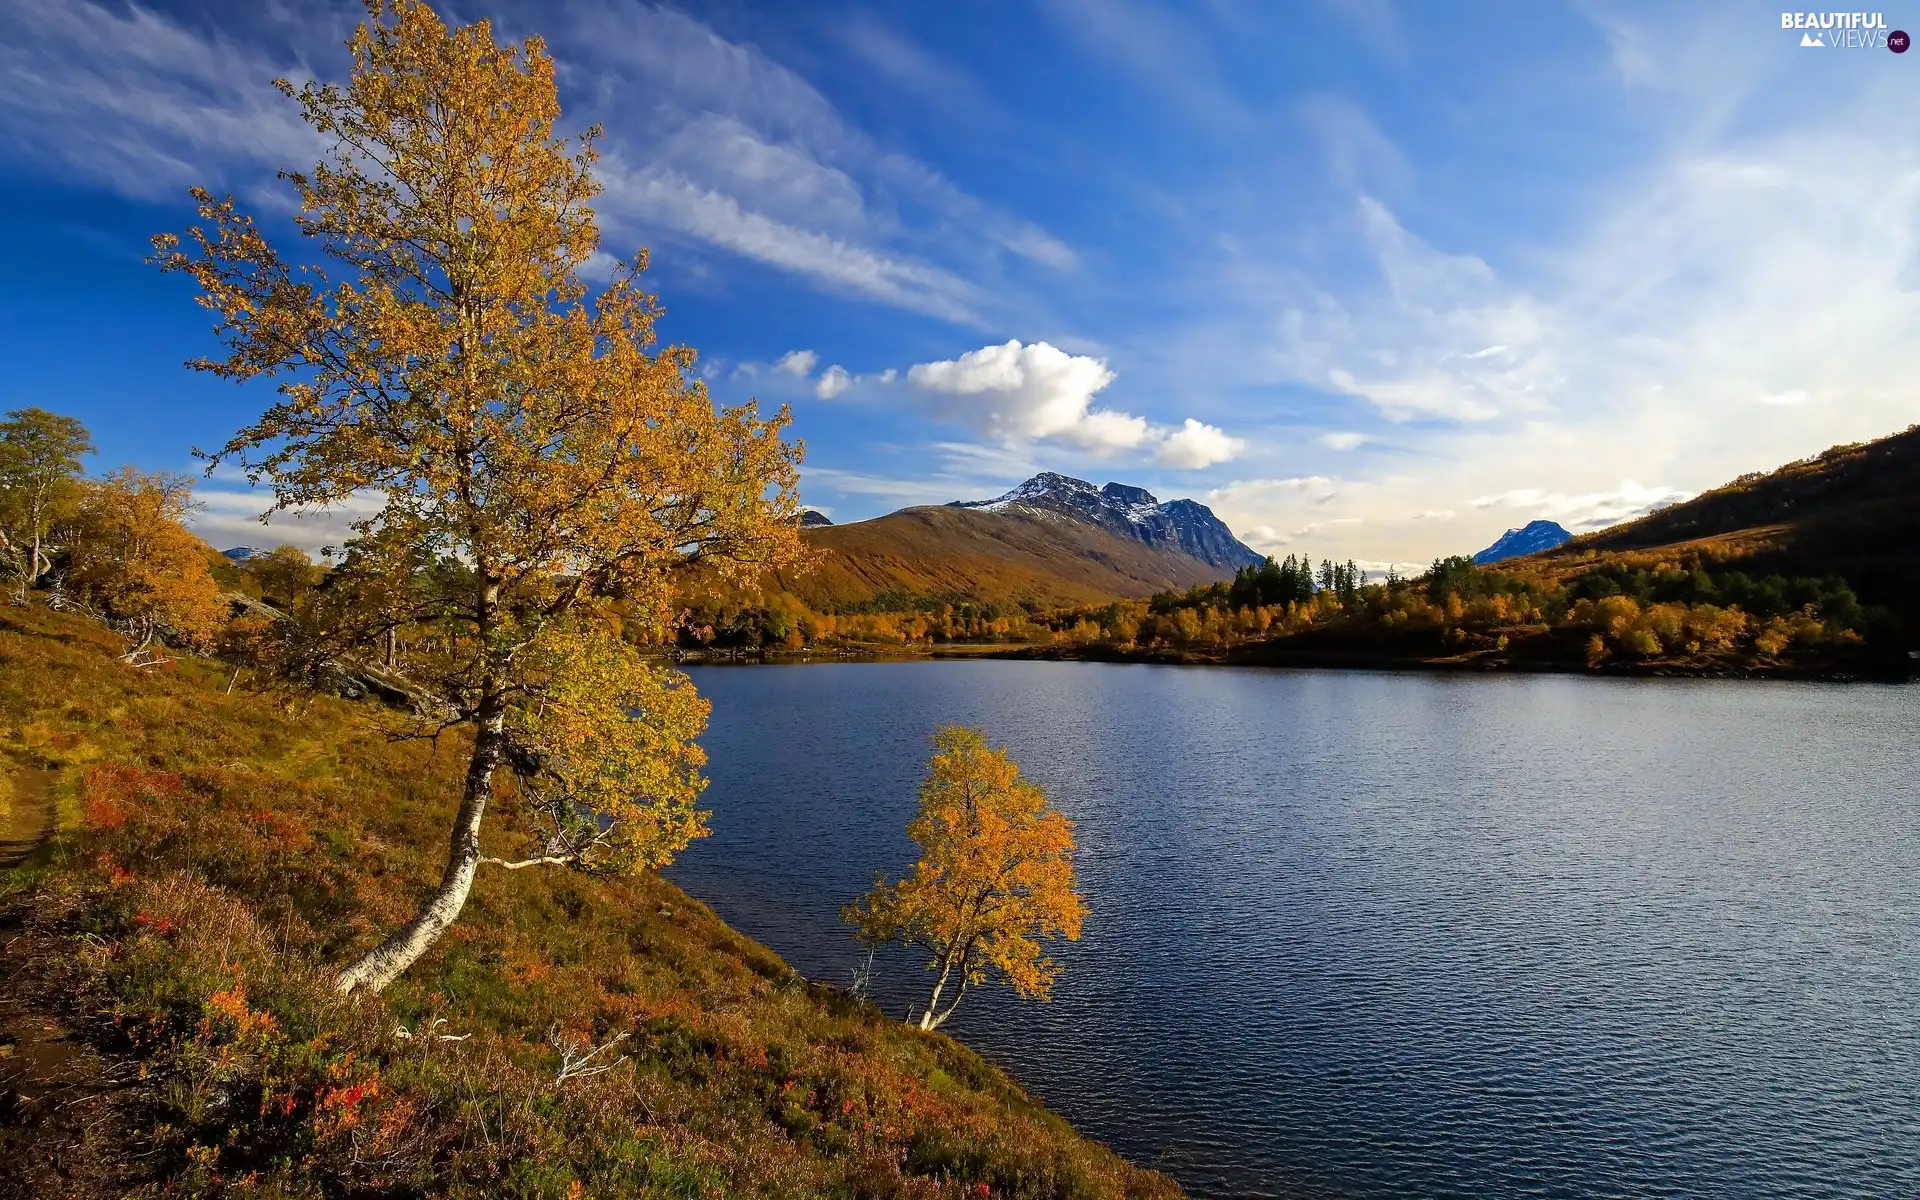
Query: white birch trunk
{"points": [[384, 963]]}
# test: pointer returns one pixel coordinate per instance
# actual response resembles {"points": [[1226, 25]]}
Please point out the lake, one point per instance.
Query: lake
{"points": [[1359, 935]]}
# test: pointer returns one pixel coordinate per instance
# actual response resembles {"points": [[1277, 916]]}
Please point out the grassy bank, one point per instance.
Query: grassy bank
{"points": [[222, 852]]}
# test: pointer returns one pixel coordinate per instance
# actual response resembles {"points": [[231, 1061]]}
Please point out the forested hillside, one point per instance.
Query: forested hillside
{"points": [[1850, 511]]}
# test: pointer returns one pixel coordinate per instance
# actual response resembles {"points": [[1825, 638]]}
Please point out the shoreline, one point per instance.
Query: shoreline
{"points": [[1266, 655]]}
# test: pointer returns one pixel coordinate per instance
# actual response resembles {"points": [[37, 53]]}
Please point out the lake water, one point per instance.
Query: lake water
{"points": [[1359, 935]]}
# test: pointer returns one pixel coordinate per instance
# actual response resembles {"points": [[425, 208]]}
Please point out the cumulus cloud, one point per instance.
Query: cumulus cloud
{"points": [[833, 381], [1196, 445], [1342, 441], [1017, 392], [797, 362]]}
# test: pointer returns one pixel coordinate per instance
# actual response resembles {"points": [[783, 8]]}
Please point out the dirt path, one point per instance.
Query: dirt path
{"points": [[29, 819], [67, 1115]]}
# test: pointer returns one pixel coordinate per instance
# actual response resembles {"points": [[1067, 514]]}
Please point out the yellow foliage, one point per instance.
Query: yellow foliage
{"points": [[995, 876], [132, 558], [613, 737], [534, 452]]}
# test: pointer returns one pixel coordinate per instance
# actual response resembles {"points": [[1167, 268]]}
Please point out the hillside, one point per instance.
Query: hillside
{"points": [[167, 1025], [951, 553], [1849, 511]]}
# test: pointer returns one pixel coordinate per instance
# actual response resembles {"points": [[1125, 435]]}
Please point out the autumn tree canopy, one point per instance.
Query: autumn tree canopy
{"points": [[535, 455], [995, 877], [284, 574], [40, 455], [130, 557]]}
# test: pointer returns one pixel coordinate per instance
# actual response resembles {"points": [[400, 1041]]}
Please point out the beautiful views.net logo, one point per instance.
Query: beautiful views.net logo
{"points": [[1845, 31]]}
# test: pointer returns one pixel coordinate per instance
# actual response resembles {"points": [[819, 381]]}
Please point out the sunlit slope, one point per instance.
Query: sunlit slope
{"points": [[1852, 511], [964, 554]]}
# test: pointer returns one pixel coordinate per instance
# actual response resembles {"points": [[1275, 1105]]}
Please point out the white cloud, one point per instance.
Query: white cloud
{"points": [[1780, 399], [1262, 537], [229, 517], [1254, 490], [797, 362], [739, 152], [1342, 441], [1443, 338], [137, 102], [1014, 392], [662, 198], [710, 144], [1196, 445], [1357, 154], [833, 381]]}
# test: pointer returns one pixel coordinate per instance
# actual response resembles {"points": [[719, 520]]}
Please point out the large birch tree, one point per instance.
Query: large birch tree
{"points": [[535, 456]]}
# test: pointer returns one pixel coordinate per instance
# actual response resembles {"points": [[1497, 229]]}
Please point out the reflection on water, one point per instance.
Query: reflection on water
{"points": [[1389, 935]]}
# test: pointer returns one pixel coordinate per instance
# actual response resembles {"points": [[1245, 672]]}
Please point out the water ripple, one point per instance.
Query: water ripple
{"points": [[1363, 935]]}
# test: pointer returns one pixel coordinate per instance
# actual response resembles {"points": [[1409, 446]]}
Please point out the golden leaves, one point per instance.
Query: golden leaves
{"points": [[535, 452], [611, 740], [133, 558], [995, 875]]}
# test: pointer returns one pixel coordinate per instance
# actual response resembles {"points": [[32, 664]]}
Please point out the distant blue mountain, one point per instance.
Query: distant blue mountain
{"points": [[1530, 538]]}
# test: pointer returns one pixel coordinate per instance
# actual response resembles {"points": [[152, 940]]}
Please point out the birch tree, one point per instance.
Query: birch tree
{"points": [[40, 455], [527, 441], [995, 878]]}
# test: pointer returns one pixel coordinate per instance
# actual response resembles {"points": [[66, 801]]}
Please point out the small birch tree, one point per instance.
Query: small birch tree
{"points": [[995, 878], [40, 455], [536, 457]]}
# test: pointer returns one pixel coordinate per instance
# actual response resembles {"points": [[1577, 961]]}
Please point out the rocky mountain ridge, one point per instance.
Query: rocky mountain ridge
{"points": [[1183, 526]]}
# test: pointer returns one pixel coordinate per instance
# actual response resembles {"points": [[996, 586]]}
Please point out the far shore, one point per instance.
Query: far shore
{"points": [[1881, 670]]}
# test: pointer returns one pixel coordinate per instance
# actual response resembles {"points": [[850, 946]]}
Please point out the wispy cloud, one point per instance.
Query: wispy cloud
{"points": [[229, 515], [134, 101], [1591, 510], [715, 145]]}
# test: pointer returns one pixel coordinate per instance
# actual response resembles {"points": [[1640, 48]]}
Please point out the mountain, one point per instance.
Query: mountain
{"points": [[1009, 556], [813, 519], [1848, 511], [1181, 526], [1534, 536], [240, 554]]}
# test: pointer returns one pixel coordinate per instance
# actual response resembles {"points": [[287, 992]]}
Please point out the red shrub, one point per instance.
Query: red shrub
{"points": [[110, 790]]}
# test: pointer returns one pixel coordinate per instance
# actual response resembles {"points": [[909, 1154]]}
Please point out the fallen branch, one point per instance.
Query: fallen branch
{"points": [[577, 1061]]}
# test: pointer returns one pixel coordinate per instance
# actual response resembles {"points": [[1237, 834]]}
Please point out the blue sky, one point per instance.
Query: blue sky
{"points": [[1373, 280]]}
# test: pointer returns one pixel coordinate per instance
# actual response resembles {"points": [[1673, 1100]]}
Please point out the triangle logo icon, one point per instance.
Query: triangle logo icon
{"points": [[1810, 39]]}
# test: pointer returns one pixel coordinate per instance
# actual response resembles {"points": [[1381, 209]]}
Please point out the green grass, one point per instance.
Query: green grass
{"points": [[223, 854]]}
